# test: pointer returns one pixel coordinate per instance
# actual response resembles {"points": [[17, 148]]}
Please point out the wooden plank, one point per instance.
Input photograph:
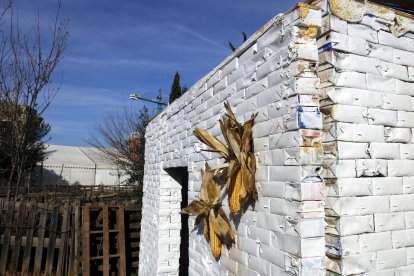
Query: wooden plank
{"points": [[1, 212], [18, 239], [63, 240], [40, 238], [85, 241], [76, 244], [7, 231], [134, 264], [52, 240], [29, 238], [67, 260], [105, 220], [121, 241], [23, 241], [71, 257]]}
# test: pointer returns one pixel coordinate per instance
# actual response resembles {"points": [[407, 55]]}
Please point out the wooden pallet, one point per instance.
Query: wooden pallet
{"points": [[42, 239], [26, 231], [103, 226]]}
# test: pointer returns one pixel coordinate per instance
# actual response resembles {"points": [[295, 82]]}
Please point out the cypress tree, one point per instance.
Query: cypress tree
{"points": [[175, 88]]}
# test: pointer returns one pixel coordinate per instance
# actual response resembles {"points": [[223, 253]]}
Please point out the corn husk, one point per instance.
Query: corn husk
{"points": [[215, 144], [239, 139], [238, 154], [239, 170], [208, 211]]}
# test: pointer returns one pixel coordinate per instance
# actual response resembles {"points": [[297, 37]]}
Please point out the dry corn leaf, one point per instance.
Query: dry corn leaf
{"points": [[223, 127], [195, 208], [221, 226], [248, 125], [246, 143], [234, 144], [210, 192], [203, 208], [240, 169], [215, 144], [249, 175], [232, 168], [198, 219], [231, 116]]}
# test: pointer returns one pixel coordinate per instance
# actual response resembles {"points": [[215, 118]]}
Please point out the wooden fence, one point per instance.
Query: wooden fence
{"points": [[44, 239], [82, 193]]}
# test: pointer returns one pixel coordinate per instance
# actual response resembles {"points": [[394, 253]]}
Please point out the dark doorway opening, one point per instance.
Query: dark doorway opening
{"points": [[180, 175]]}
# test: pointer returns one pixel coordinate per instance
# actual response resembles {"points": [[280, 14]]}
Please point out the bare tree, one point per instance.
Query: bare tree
{"points": [[28, 59], [121, 141]]}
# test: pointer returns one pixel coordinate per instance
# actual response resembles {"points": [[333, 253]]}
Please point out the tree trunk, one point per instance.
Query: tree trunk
{"points": [[9, 183], [19, 176]]}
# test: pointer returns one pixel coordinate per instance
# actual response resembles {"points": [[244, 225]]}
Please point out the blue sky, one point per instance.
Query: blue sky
{"points": [[120, 47]]}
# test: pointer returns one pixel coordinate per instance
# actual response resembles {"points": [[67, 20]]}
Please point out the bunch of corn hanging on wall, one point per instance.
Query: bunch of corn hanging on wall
{"points": [[239, 169], [242, 164], [207, 209]]}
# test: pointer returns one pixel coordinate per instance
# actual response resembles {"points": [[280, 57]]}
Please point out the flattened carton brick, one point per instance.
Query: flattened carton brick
{"points": [[344, 187], [397, 135], [358, 264], [272, 254], [403, 238], [352, 225], [406, 151], [305, 117], [387, 185], [371, 167], [408, 185], [351, 206], [334, 23], [296, 138], [400, 203], [305, 191], [351, 150], [389, 222], [303, 156], [400, 167], [296, 209], [352, 132], [384, 150], [310, 247], [392, 258], [339, 168], [259, 265], [305, 228]]}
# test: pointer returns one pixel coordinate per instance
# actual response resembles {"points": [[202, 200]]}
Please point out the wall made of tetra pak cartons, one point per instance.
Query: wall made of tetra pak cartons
{"points": [[273, 74], [366, 68]]}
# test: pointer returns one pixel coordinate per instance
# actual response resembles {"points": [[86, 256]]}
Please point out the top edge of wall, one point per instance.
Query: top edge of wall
{"points": [[354, 11], [303, 10]]}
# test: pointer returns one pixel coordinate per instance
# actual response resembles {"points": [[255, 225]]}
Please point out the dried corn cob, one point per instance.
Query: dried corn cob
{"points": [[235, 186], [205, 229], [215, 242]]}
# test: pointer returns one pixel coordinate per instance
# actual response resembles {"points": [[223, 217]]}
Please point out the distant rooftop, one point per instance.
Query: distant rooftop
{"points": [[81, 157]]}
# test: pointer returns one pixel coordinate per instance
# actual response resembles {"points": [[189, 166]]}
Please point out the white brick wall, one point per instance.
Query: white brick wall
{"points": [[368, 114], [334, 147], [270, 74]]}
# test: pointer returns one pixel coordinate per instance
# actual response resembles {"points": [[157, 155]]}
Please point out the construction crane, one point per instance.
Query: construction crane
{"points": [[157, 100]]}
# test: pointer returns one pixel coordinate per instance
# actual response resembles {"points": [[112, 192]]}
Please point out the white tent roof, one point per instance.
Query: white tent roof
{"points": [[80, 157]]}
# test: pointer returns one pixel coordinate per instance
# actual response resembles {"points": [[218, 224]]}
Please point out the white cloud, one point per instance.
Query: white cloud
{"points": [[113, 61], [199, 35]]}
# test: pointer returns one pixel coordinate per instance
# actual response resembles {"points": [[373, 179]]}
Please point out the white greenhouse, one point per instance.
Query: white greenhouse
{"points": [[65, 165]]}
